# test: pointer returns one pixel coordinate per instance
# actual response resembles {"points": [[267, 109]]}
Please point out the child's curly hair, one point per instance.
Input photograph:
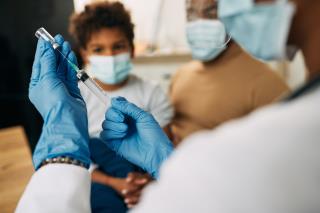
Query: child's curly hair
{"points": [[97, 16]]}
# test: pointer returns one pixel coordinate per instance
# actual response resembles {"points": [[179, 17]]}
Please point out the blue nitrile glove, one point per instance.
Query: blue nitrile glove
{"points": [[135, 135], [54, 92]]}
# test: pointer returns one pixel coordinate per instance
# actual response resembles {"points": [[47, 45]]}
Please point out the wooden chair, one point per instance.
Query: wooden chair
{"points": [[15, 167]]}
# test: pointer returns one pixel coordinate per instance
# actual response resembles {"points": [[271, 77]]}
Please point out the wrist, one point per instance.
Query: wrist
{"points": [[111, 181], [100, 177], [59, 147], [164, 152]]}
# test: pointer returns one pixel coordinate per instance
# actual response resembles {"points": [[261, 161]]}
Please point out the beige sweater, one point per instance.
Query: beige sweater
{"points": [[206, 95]]}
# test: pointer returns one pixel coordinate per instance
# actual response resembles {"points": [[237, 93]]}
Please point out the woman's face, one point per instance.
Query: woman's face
{"points": [[106, 42]]}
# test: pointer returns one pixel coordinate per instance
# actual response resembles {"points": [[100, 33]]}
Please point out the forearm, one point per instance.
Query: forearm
{"points": [[67, 136], [102, 178]]}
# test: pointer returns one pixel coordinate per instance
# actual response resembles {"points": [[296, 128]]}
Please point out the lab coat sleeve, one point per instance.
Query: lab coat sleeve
{"points": [[57, 188]]}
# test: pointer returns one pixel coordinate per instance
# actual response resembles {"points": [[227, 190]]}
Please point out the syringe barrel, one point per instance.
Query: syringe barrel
{"points": [[93, 87], [42, 33]]}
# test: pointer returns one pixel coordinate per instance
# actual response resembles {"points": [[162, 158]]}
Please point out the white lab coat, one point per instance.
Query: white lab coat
{"points": [[266, 162]]}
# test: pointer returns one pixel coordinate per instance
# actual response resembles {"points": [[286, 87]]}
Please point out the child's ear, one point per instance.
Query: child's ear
{"points": [[84, 55]]}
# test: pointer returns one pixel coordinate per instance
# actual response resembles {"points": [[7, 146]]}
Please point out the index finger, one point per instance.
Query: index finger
{"points": [[115, 115], [48, 61]]}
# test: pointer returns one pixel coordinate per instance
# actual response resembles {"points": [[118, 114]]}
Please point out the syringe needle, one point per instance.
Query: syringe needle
{"points": [[75, 67]]}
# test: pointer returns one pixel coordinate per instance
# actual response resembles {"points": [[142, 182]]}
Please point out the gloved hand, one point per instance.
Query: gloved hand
{"points": [[54, 92], [135, 135]]}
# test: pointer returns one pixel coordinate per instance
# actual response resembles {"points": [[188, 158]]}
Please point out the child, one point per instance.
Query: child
{"points": [[104, 35]]}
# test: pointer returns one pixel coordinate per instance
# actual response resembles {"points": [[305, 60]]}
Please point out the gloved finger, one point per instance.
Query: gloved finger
{"points": [[61, 61], [127, 108], [59, 39], [66, 50], [36, 67], [114, 126], [115, 115], [107, 135], [72, 72], [48, 62], [63, 64], [72, 78]]}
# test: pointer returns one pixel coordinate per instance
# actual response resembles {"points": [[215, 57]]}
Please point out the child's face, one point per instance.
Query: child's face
{"points": [[106, 42]]}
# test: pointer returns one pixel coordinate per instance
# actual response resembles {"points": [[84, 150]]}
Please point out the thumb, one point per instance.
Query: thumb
{"points": [[48, 62], [127, 108]]}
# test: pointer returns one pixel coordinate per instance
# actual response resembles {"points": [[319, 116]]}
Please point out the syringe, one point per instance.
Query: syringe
{"points": [[81, 74]]}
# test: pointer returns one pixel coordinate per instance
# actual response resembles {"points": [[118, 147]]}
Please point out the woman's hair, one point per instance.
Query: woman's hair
{"points": [[97, 16]]}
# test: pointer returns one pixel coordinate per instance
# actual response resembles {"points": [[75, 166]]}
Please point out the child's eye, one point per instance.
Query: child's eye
{"points": [[118, 47], [97, 50]]}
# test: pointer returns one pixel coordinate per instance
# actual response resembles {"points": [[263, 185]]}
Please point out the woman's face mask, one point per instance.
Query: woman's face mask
{"points": [[110, 69], [206, 38], [261, 29], [206, 34]]}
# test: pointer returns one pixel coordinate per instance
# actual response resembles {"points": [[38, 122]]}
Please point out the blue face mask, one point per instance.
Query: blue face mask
{"points": [[206, 38], [110, 69], [261, 29]]}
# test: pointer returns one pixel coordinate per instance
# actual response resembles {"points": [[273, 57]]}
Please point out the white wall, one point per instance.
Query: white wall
{"points": [[159, 69]]}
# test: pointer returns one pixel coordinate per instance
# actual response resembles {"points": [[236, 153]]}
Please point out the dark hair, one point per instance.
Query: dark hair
{"points": [[97, 16]]}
